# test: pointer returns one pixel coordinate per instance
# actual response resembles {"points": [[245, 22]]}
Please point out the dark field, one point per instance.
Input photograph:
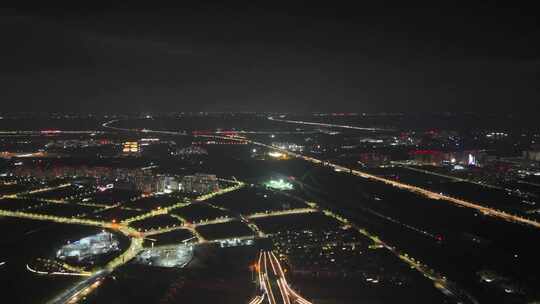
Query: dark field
{"points": [[156, 222], [215, 276], [118, 214], [310, 221], [224, 230], [154, 202], [253, 200], [198, 212], [26, 241], [12, 204], [169, 238], [113, 196], [65, 210]]}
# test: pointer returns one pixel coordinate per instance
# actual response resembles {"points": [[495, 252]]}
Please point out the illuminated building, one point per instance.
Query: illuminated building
{"points": [[200, 183], [471, 160], [437, 157], [131, 148], [191, 150], [9, 155], [288, 146], [533, 153], [146, 182], [277, 155], [141, 179], [279, 184], [373, 159], [85, 248], [168, 184], [496, 135]]}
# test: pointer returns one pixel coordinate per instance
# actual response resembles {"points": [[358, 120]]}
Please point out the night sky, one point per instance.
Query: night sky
{"points": [[290, 57]]}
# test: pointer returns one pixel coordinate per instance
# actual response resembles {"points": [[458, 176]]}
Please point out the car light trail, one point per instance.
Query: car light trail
{"points": [[268, 281]]}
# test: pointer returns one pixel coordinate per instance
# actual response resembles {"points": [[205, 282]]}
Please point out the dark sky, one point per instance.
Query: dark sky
{"points": [[290, 57]]}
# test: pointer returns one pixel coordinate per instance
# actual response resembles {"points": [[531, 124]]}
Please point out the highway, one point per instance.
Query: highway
{"points": [[438, 196], [48, 132], [281, 212], [257, 300], [81, 289], [327, 125], [272, 282]]}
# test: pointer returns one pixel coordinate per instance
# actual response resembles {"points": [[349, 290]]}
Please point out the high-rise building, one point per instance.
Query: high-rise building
{"points": [[533, 153], [168, 184], [200, 183], [131, 148]]}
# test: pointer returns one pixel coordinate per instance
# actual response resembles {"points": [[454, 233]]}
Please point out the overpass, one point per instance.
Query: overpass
{"points": [[273, 284]]}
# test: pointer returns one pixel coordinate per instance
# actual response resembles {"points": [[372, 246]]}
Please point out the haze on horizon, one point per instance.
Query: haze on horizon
{"points": [[252, 57]]}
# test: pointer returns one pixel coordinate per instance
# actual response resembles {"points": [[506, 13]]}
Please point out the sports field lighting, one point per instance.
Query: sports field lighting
{"points": [[279, 184]]}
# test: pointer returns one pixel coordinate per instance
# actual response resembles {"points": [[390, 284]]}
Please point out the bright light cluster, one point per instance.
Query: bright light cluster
{"points": [[279, 184], [278, 155]]}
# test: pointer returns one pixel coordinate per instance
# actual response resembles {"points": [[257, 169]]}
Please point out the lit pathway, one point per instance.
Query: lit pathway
{"points": [[281, 213], [17, 195]]}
